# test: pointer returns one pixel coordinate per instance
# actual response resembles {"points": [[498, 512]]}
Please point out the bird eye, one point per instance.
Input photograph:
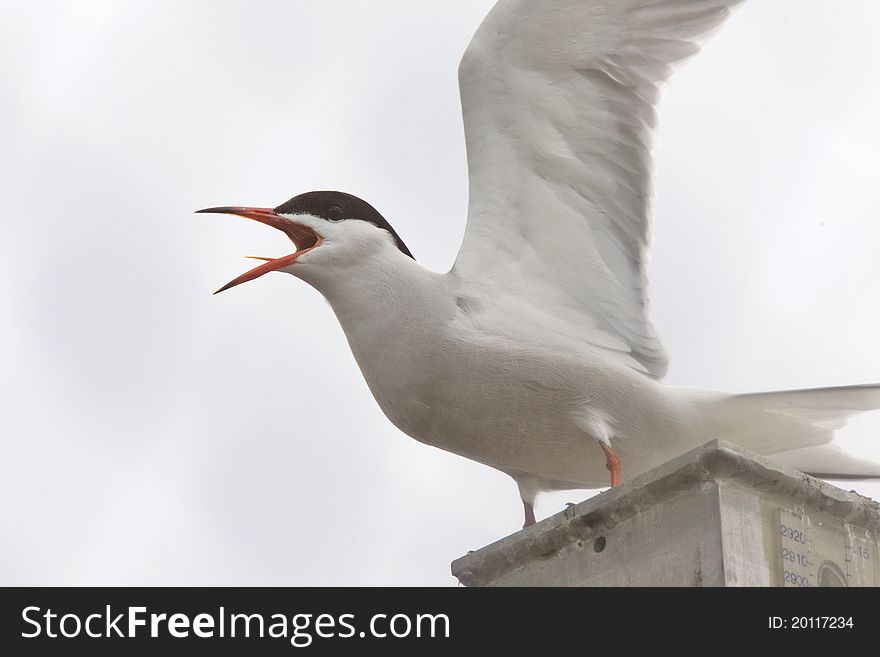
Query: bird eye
{"points": [[334, 212]]}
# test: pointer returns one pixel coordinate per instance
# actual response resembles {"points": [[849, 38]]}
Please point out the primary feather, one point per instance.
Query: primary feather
{"points": [[560, 109]]}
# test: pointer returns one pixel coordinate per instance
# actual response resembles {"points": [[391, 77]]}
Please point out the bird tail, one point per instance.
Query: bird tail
{"points": [[795, 427]]}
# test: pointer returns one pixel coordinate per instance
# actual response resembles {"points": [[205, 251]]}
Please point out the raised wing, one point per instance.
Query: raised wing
{"points": [[559, 101]]}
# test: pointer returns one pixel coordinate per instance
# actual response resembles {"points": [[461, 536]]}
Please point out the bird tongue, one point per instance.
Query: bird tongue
{"points": [[304, 238]]}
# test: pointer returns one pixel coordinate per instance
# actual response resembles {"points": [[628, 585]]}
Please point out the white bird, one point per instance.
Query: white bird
{"points": [[535, 354]]}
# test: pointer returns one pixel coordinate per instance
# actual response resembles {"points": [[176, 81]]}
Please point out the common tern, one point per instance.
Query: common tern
{"points": [[535, 354]]}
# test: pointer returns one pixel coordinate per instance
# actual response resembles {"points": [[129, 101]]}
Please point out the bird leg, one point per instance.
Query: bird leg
{"points": [[612, 463], [528, 491], [600, 427]]}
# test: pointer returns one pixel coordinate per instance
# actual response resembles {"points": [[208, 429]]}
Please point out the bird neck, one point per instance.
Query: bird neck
{"points": [[382, 298], [394, 313]]}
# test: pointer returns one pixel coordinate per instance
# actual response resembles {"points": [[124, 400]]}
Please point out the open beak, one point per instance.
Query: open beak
{"points": [[303, 237]]}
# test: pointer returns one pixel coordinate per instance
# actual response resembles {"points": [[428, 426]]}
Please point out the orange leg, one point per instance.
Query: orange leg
{"points": [[612, 463], [530, 514]]}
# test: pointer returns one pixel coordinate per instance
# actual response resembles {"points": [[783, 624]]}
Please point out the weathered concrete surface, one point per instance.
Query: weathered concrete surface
{"points": [[717, 516]]}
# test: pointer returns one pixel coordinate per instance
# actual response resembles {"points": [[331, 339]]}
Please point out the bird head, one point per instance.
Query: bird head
{"points": [[328, 229]]}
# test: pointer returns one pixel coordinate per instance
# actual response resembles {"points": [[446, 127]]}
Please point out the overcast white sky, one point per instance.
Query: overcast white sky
{"points": [[154, 434]]}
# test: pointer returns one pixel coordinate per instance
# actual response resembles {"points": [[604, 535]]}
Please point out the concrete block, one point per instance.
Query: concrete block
{"points": [[716, 516]]}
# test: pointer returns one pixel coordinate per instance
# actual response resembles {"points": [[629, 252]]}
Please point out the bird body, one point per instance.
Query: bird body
{"points": [[447, 377], [533, 405], [535, 354], [446, 381]]}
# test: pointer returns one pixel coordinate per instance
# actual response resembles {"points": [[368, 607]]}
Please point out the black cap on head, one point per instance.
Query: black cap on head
{"points": [[338, 206]]}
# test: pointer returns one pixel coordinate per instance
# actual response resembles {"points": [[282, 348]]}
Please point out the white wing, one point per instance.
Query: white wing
{"points": [[559, 101]]}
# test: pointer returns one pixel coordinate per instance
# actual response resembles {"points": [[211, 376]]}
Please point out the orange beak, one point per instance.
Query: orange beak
{"points": [[303, 237]]}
